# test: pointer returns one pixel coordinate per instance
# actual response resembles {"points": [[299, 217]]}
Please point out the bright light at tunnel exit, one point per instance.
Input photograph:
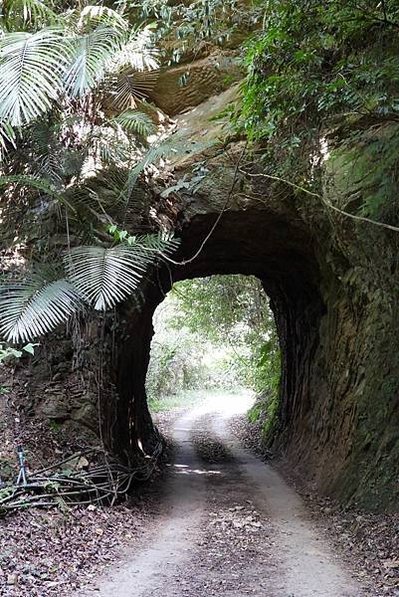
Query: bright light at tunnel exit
{"points": [[228, 404]]}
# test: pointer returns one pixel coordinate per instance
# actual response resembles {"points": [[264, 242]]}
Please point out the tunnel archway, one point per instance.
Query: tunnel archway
{"points": [[339, 416], [215, 336], [261, 244]]}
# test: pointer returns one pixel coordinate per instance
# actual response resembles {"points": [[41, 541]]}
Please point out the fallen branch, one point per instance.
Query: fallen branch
{"points": [[103, 483]]}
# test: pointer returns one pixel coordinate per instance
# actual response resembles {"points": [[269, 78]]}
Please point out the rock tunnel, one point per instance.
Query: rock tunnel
{"points": [[288, 272], [330, 429], [332, 283]]}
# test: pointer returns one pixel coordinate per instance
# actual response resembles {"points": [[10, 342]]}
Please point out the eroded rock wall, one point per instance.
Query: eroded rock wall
{"points": [[333, 286], [333, 283]]}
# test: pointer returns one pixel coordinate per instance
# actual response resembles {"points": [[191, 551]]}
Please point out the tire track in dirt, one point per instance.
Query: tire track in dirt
{"points": [[231, 527]]}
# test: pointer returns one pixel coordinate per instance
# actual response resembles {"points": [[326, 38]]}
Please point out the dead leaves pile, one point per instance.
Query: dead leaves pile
{"points": [[52, 553], [372, 540]]}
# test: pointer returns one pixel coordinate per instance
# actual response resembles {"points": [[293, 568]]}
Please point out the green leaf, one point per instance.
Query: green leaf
{"points": [[136, 122], [7, 138], [138, 51], [122, 234], [106, 276], [93, 53], [128, 87], [101, 15], [30, 348], [32, 182], [35, 306], [13, 352], [20, 13], [32, 66]]}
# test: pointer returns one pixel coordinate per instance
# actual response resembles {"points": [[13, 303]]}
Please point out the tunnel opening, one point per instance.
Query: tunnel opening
{"points": [[215, 336], [277, 251], [325, 426]]}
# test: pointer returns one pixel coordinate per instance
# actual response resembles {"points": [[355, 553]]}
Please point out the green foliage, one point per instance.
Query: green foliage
{"points": [[7, 138], [184, 399], [269, 365], [267, 383], [93, 51], [32, 66], [105, 276], [26, 14], [8, 352], [223, 307], [186, 27], [215, 332], [136, 122], [52, 57], [60, 174], [97, 276], [179, 360], [319, 70], [35, 306]]}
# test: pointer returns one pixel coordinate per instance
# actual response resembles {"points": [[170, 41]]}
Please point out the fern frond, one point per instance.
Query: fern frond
{"points": [[127, 88], [34, 307], [138, 51], [93, 52], [101, 15], [7, 138], [135, 122], [24, 180], [170, 147], [17, 14], [106, 195], [162, 243], [109, 144], [32, 66], [107, 276]]}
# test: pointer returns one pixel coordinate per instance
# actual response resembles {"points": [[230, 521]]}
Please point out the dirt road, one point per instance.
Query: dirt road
{"points": [[231, 527]]}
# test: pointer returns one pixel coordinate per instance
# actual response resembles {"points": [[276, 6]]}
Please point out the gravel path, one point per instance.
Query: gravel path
{"points": [[231, 527]]}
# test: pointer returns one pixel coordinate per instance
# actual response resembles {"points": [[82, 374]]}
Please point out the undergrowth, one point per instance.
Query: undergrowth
{"points": [[320, 74]]}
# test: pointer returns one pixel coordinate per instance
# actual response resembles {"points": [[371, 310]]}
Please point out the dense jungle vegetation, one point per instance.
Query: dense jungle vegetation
{"points": [[215, 333], [319, 75]]}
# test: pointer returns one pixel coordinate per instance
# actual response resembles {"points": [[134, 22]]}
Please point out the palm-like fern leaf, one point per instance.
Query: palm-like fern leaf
{"points": [[101, 15], [32, 66], [7, 138], [159, 244], [35, 307], [109, 143], [93, 53], [40, 184], [128, 87], [138, 51], [49, 158], [169, 147], [134, 121], [100, 276], [19, 13], [107, 276]]}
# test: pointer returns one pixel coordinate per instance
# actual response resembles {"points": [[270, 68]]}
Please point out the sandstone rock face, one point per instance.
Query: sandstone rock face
{"points": [[333, 285], [333, 288], [186, 86]]}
